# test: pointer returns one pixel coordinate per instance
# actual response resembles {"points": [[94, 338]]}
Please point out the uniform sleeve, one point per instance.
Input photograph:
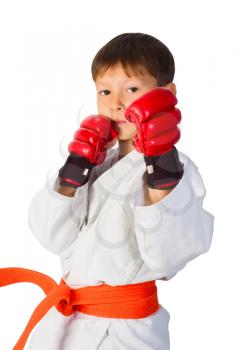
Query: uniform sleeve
{"points": [[55, 219], [177, 229]]}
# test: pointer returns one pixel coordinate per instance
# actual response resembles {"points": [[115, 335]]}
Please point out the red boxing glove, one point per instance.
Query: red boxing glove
{"points": [[88, 149], [91, 139], [156, 119]]}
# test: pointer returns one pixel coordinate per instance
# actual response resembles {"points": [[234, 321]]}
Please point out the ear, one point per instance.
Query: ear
{"points": [[172, 87]]}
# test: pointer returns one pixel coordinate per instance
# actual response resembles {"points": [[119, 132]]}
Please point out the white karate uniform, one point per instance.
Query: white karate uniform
{"points": [[105, 234]]}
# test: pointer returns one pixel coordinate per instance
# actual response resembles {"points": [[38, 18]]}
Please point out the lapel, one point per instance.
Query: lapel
{"points": [[123, 178]]}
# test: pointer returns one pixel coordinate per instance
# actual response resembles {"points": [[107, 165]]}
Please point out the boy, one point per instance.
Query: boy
{"points": [[122, 217]]}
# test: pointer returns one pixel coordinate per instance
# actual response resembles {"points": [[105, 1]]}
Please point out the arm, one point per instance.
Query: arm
{"points": [[152, 196], [54, 218], [175, 230], [172, 228], [67, 191], [57, 211]]}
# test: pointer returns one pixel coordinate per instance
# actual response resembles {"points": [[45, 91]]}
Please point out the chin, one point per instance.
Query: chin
{"points": [[125, 138]]}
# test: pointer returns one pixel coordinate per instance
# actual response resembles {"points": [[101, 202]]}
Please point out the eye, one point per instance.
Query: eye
{"points": [[133, 88], [104, 93]]}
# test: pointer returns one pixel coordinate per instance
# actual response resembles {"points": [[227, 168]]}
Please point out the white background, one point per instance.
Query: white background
{"points": [[46, 50]]}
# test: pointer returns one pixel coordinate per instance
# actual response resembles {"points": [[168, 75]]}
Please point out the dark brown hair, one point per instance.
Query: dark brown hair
{"points": [[135, 51]]}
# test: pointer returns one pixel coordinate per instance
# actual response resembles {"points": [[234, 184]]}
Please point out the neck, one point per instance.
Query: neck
{"points": [[125, 146]]}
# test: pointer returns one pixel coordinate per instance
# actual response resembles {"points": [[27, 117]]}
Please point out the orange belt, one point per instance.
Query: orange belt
{"points": [[128, 301]]}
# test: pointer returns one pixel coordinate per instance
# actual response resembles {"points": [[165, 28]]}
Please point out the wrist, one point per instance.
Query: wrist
{"points": [[164, 171], [76, 171]]}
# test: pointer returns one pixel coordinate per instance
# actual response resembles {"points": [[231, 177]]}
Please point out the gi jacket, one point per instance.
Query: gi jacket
{"points": [[105, 234]]}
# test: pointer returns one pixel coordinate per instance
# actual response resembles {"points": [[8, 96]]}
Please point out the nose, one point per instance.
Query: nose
{"points": [[117, 104]]}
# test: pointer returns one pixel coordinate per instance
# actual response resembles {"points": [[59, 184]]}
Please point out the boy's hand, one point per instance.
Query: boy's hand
{"points": [[156, 119], [88, 148]]}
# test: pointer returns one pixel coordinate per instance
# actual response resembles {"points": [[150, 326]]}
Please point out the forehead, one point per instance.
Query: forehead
{"points": [[118, 72]]}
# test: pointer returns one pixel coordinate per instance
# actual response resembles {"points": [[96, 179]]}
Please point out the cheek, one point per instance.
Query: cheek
{"points": [[132, 97], [99, 105], [133, 129]]}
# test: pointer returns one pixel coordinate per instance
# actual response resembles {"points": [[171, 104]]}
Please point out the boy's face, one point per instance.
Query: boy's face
{"points": [[116, 91]]}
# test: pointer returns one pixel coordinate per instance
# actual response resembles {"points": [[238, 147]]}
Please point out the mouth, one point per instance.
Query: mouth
{"points": [[119, 122]]}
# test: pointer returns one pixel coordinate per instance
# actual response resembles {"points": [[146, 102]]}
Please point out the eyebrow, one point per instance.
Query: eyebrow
{"points": [[124, 81]]}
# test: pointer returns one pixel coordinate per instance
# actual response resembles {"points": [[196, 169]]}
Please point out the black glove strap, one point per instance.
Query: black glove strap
{"points": [[164, 171], [77, 169]]}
